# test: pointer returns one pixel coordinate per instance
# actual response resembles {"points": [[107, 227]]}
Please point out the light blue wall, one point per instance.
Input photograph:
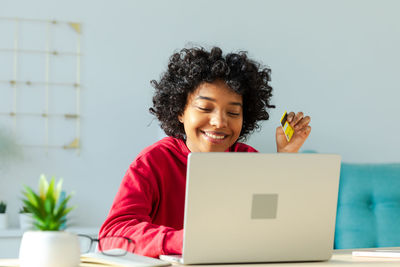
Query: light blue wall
{"points": [[337, 61]]}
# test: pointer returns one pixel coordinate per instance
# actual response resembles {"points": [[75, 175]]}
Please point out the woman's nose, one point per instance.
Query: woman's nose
{"points": [[219, 120]]}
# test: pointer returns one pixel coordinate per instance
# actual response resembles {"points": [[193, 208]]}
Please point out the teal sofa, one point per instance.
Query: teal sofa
{"points": [[368, 211]]}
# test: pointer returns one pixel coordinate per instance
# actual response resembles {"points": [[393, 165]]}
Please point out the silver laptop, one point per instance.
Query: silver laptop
{"points": [[254, 207]]}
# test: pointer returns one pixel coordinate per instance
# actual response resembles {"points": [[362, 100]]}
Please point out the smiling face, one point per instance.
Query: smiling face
{"points": [[213, 117]]}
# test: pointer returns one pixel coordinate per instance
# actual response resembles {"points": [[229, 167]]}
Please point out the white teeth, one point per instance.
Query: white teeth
{"points": [[215, 136]]}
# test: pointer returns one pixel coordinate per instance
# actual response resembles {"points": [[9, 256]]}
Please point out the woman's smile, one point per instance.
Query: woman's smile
{"points": [[214, 137]]}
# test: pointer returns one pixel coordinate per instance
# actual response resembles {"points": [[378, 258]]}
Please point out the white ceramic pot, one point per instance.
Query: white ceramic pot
{"points": [[49, 249], [3, 221], [25, 221]]}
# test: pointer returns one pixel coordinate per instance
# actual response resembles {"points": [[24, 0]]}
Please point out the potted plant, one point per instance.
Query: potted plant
{"points": [[47, 245], [25, 219], [3, 215]]}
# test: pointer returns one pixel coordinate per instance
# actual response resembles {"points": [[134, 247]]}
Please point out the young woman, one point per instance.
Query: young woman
{"points": [[205, 102]]}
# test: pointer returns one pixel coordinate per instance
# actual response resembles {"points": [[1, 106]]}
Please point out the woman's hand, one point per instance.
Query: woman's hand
{"points": [[302, 129]]}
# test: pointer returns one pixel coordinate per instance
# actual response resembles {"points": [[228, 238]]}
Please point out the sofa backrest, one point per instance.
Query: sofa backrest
{"points": [[368, 212]]}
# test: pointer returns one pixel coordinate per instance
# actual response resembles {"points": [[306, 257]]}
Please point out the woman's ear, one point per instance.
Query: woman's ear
{"points": [[180, 118]]}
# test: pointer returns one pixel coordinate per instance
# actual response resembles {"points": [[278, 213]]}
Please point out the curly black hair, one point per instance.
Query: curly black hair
{"points": [[189, 68]]}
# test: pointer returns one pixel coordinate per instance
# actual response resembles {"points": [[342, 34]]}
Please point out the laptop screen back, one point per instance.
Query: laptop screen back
{"points": [[254, 207]]}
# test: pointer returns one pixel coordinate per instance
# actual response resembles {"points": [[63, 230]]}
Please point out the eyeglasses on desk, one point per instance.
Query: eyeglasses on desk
{"points": [[109, 245]]}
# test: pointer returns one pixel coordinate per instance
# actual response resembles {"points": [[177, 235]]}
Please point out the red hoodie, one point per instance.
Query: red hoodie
{"points": [[149, 206]]}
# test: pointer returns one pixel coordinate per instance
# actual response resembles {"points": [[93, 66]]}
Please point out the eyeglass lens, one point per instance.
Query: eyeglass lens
{"points": [[85, 243], [115, 246], [112, 246]]}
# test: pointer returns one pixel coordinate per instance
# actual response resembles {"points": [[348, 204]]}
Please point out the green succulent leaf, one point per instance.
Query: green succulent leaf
{"points": [[3, 207], [58, 189], [43, 186], [50, 191], [31, 196], [48, 206], [48, 210], [30, 207], [65, 212]]}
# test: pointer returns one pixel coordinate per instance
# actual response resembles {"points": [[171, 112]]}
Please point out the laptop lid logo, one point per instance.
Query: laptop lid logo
{"points": [[264, 206]]}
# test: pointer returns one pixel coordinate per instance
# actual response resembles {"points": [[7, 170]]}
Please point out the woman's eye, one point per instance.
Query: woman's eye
{"points": [[204, 109], [233, 113]]}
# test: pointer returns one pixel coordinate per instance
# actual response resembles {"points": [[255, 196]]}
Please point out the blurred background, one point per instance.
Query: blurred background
{"points": [[337, 61]]}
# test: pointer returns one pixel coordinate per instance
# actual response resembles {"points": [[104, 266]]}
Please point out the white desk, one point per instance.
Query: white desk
{"points": [[341, 258]]}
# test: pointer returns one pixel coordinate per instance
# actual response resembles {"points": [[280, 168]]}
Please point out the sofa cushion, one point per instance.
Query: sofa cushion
{"points": [[368, 212]]}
